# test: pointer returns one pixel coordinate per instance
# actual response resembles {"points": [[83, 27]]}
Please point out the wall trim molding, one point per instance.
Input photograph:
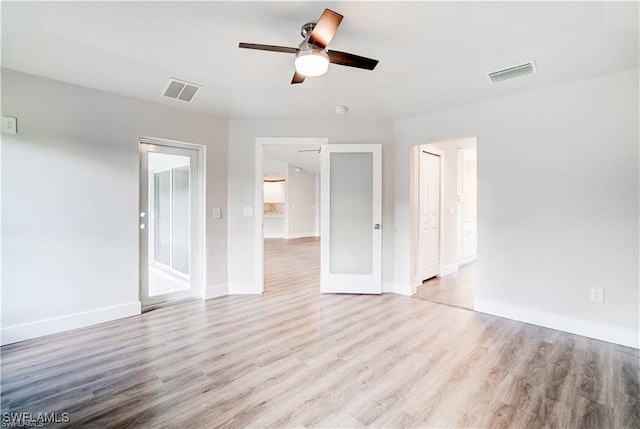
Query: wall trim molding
{"points": [[244, 289], [397, 288], [40, 328], [449, 269], [302, 235], [466, 261], [585, 328], [215, 291], [280, 235]]}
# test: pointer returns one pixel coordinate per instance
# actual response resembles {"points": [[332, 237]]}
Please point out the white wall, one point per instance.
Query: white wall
{"points": [[557, 202], [275, 226], [302, 203], [274, 166], [242, 144], [70, 202]]}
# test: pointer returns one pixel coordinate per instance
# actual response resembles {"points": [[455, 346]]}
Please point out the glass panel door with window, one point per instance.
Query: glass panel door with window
{"points": [[351, 218], [168, 223]]}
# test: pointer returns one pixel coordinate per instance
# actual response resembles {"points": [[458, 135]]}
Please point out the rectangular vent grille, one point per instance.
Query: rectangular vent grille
{"points": [[181, 90], [513, 72]]}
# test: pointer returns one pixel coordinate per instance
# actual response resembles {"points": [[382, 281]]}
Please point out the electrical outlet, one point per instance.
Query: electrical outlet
{"points": [[597, 295], [9, 125]]}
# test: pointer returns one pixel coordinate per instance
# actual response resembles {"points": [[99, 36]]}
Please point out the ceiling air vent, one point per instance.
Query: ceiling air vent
{"points": [[181, 90], [511, 72]]}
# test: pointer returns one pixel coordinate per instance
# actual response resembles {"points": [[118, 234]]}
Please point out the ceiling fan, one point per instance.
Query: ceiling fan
{"points": [[312, 55]]}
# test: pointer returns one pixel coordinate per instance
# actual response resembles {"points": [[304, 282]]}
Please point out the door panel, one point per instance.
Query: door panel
{"points": [[351, 219], [429, 215], [168, 224]]}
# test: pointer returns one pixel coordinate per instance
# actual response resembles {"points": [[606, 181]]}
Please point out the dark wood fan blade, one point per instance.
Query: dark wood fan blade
{"points": [[351, 60], [297, 78], [325, 29], [271, 48]]}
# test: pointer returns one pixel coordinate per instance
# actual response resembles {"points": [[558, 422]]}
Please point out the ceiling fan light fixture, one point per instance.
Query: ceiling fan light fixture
{"points": [[312, 56], [311, 61]]}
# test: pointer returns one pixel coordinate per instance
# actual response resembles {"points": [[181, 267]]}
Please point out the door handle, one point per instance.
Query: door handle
{"points": [[377, 226]]}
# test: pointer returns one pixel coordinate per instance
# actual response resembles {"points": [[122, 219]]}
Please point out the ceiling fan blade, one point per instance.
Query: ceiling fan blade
{"points": [[271, 48], [351, 60], [297, 78], [325, 29]]}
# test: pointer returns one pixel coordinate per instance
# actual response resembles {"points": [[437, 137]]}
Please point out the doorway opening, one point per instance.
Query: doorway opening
{"points": [[444, 211], [171, 222], [349, 208], [288, 213]]}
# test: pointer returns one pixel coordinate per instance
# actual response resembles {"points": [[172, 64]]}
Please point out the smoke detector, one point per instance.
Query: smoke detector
{"points": [[181, 90], [341, 110], [513, 72]]}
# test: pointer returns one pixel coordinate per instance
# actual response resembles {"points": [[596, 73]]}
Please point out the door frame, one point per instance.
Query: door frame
{"points": [[414, 197], [460, 195], [201, 227], [258, 202]]}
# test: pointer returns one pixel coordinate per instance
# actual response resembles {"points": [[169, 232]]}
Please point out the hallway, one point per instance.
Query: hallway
{"points": [[293, 263]]}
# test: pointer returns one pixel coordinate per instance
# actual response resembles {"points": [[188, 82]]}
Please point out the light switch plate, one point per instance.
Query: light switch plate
{"points": [[9, 125], [217, 213], [597, 295], [247, 211]]}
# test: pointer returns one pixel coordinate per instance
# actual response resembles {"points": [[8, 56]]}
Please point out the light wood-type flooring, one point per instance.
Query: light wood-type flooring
{"points": [[294, 358], [457, 289]]}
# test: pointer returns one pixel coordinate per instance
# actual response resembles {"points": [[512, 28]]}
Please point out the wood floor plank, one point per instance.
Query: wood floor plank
{"points": [[296, 358]]}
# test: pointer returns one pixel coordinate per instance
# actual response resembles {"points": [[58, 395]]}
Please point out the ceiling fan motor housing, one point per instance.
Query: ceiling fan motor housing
{"points": [[306, 29]]}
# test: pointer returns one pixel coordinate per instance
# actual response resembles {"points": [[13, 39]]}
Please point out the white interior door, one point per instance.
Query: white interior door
{"points": [[351, 218], [169, 242], [429, 253]]}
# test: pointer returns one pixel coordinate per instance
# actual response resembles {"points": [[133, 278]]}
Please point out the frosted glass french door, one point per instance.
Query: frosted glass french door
{"points": [[351, 219], [168, 223]]}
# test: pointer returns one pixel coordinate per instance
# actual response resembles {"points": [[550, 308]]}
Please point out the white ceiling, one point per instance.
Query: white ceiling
{"points": [[433, 55]]}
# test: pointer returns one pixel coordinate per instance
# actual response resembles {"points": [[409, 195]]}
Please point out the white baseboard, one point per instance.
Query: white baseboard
{"points": [[466, 261], [290, 236], [283, 235], [244, 289], [449, 269], [397, 288], [611, 334], [40, 328], [215, 291], [302, 235]]}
